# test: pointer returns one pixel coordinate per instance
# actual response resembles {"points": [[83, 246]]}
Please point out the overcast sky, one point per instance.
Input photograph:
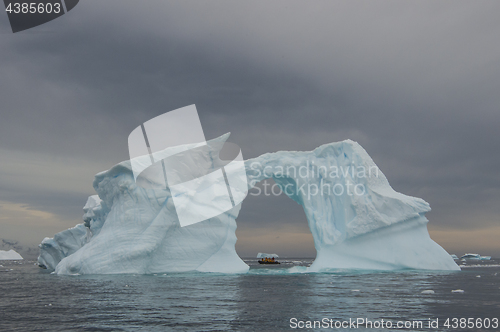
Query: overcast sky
{"points": [[415, 83]]}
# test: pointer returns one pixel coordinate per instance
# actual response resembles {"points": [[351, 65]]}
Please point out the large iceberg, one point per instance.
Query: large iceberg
{"points": [[130, 229], [10, 255]]}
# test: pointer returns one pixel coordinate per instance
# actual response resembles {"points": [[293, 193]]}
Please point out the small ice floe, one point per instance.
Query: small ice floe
{"points": [[458, 291], [354, 290], [480, 265], [476, 256], [428, 291]]}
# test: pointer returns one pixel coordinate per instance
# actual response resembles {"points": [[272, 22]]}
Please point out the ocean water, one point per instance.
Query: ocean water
{"points": [[268, 298]]}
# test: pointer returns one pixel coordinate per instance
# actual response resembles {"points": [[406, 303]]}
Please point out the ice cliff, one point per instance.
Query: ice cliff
{"points": [[130, 229]]}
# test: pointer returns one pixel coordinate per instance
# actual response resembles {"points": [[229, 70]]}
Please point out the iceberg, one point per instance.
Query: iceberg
{"points": [[366, 225], [10, 255]]}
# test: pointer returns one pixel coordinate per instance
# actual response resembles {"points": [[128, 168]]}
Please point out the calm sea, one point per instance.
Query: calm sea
{"points": [[268, 298]]}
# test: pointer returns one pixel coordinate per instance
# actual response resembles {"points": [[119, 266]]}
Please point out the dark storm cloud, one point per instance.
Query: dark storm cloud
{"points": [[414, 83]]}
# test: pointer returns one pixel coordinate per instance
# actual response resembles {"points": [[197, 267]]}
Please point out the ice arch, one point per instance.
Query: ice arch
{"points": [[357, 220]]}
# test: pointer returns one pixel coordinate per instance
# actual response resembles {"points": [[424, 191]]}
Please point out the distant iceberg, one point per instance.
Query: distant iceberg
{"points": [[10, 255], [130, 229], [476, 257]]}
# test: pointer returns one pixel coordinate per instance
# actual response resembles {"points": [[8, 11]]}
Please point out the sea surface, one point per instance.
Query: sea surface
{"points": [[268, 298]]}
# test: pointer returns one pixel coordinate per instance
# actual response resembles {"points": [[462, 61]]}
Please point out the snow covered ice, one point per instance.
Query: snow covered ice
{"points": [[10, 255], [130, 229]]}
